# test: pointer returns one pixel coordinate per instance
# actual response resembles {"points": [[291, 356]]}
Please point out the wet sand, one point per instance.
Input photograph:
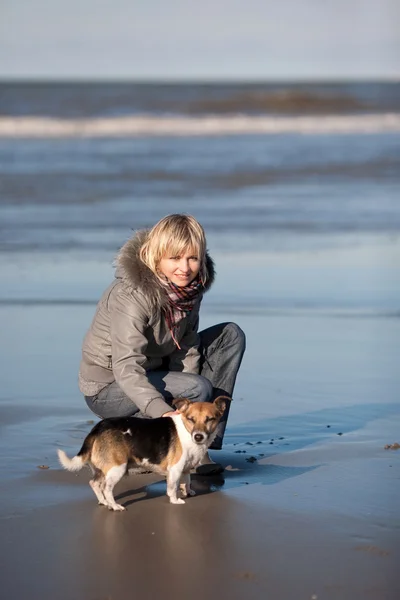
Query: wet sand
{"points": [[231, 540], [306, 508], [215, 546]]}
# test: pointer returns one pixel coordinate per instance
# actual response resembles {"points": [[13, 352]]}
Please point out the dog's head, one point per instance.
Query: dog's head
{"points": [[201, 418]]}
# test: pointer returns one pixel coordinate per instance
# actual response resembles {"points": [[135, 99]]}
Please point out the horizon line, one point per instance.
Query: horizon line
{"points": [[198, 80]]}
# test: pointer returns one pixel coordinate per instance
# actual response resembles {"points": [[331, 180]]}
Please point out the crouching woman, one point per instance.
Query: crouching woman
{"points": [[143, 348]]}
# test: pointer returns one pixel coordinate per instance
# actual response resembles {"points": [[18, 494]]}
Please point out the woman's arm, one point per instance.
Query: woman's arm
{"points": [[128, 346]]}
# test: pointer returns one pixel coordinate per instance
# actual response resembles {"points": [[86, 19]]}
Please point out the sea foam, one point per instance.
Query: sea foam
{"points": [[144, 125]]}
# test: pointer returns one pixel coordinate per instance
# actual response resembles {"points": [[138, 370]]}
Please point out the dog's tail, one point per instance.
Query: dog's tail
{"points": [[71, 464], [79, 461]]}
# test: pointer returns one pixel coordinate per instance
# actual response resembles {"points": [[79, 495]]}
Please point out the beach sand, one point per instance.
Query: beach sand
{"points": [[308, 506]]}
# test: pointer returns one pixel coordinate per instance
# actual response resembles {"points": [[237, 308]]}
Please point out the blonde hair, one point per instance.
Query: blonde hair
{"points": [[173, 235]]}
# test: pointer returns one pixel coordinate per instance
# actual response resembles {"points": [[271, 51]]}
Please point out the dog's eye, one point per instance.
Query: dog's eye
{"points": [[208, 419], [191, 419]]}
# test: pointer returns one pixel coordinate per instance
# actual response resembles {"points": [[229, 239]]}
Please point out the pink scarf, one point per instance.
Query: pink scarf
{"points": [[181, 300]]}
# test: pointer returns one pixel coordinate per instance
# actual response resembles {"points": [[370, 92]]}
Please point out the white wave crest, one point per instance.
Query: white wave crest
{"points": [[141, 126]]}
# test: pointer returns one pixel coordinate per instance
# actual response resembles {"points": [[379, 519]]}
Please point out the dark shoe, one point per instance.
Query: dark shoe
{"points": [[210, 469]]}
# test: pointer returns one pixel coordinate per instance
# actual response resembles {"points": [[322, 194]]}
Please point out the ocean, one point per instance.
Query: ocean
{"points": [[296, 185], [262, 166]]}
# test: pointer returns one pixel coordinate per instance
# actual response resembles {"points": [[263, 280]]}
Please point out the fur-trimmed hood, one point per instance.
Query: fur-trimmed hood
{"points": [[136, 275]]}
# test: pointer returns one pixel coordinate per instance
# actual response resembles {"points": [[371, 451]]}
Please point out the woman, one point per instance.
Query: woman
{"points": [[143, 348]]}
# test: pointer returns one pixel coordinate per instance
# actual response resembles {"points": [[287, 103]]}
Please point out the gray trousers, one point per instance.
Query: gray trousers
{"points": [[222, 348]]}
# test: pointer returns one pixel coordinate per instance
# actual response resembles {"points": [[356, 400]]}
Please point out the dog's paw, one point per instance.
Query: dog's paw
{"points": [[117, 507], [184, 491], [176, 501]]}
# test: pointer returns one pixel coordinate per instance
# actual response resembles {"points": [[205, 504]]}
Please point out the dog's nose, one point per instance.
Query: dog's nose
{"points": [[198, 437]]}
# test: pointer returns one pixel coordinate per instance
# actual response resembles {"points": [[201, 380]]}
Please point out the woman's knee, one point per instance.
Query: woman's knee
{"points": [[235, 335], [199, 388]]}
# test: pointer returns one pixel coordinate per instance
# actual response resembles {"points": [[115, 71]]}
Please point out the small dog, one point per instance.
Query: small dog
{"points": [[171, 446]]}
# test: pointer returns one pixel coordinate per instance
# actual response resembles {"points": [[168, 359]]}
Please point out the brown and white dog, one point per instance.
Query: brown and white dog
{"points": [[171, 446]]}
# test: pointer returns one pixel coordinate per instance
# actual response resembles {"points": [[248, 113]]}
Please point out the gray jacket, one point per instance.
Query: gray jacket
{"points": [[129, 334]]}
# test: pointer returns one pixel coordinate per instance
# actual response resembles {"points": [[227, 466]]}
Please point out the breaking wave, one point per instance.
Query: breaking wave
{"points": [[210, 125]]}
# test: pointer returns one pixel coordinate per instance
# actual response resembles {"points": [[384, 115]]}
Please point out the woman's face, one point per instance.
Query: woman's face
{"points": [[180, 269]]}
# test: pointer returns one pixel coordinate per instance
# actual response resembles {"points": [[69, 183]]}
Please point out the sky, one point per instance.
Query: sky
{"points": [[200, 39]]}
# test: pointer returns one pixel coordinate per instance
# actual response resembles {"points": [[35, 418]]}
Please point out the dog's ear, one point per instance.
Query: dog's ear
{"points": [[181, 404], [221, 403]]}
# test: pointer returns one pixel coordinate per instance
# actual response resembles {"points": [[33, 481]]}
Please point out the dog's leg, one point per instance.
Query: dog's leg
{"points": [[173, 477], [97, 484], [112, 478], [185, 488]]}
